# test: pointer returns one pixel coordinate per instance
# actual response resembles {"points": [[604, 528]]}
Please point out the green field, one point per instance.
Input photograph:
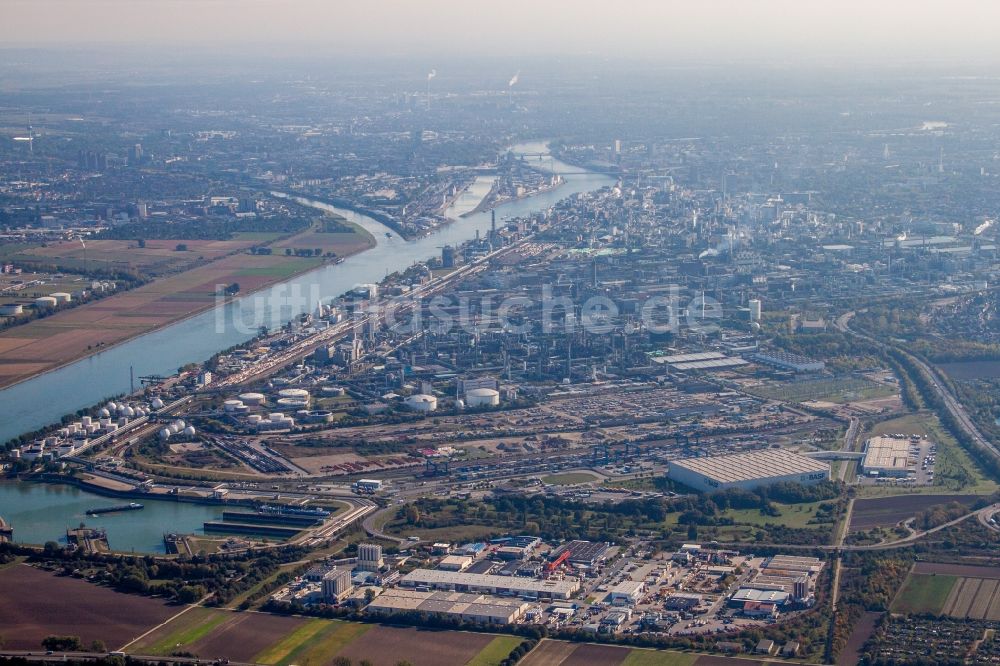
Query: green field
{"points": [[837, 389], [313, 644], [257, 236], [658, 658], [792, 515], [569, 479], [190, 627], [494, 653], [923, 593], [284, 269]]}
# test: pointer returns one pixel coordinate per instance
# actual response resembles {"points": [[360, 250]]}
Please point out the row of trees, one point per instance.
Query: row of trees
{"points": [[183, 580]]}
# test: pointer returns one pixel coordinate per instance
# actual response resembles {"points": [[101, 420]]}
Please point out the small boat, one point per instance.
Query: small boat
{"points": [[131, 506]]}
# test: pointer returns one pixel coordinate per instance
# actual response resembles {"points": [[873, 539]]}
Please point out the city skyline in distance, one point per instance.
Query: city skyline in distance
{"points": [[777, 31]]}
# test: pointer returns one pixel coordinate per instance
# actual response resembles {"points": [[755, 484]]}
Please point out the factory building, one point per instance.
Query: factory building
{"points": [[886, 456], [511, 586], [467, 607], [337, 584], [748, 470], [370, 557], [582, 553]]}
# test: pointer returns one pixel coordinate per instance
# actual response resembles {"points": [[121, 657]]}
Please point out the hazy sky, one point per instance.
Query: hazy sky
{"points": [[875, 30]]}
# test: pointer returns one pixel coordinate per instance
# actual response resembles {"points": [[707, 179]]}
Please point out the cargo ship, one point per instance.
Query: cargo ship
{"points": [[131, 506]]}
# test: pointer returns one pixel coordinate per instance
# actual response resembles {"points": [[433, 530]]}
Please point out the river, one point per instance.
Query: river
{"points": [[44, 399]]}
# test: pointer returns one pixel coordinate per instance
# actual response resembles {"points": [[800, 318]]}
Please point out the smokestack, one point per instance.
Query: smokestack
{"points": [[430, 75]]}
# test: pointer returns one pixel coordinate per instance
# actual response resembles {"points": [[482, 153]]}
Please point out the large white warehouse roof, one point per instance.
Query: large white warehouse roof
{"points": [[748, 470]]}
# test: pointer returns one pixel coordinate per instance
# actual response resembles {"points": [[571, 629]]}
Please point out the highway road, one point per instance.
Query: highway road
{"points": [[850, 444], [955, 408]]}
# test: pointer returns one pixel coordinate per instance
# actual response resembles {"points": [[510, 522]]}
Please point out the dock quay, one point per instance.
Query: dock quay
{"points": [[249, 528], [271, 518]]}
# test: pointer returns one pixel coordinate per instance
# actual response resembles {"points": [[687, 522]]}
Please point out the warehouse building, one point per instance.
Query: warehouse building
{"points": [[886, 456], [514, 586], [627, 592], [748, 470], [467, 607]]}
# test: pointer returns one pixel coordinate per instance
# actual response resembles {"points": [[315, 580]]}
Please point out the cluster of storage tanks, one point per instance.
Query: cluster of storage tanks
{"points": [[178, 430], [274, 421], [478, 397], [52, 300], [290, 400]]}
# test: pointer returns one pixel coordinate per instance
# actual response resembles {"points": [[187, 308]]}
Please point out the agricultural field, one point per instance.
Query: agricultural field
{"points": [[157, 258], [277, 640], [887, 511], [974, 597], [189, 275], [43, 344], [561, 653], [956, 590], [36, 604], [923, 594], [339, 243]]}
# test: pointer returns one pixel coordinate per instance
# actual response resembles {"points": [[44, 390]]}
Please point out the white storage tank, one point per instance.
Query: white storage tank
{"points": [[232, 405], [301, 396], [157, 403], [255, 418], [482, 397], [45, 303], [252, 398], [189, 431], [11, 309], [165, 433], [335, 391], [61, 297], [292, 403], [421, 402]]}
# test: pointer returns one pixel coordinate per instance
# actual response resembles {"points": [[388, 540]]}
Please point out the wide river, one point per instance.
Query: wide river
{"points": [[37, 402]]}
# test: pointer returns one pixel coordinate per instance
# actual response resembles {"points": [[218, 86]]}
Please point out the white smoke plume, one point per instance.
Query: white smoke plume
{"points": [[514, 80], [431, 74]]}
